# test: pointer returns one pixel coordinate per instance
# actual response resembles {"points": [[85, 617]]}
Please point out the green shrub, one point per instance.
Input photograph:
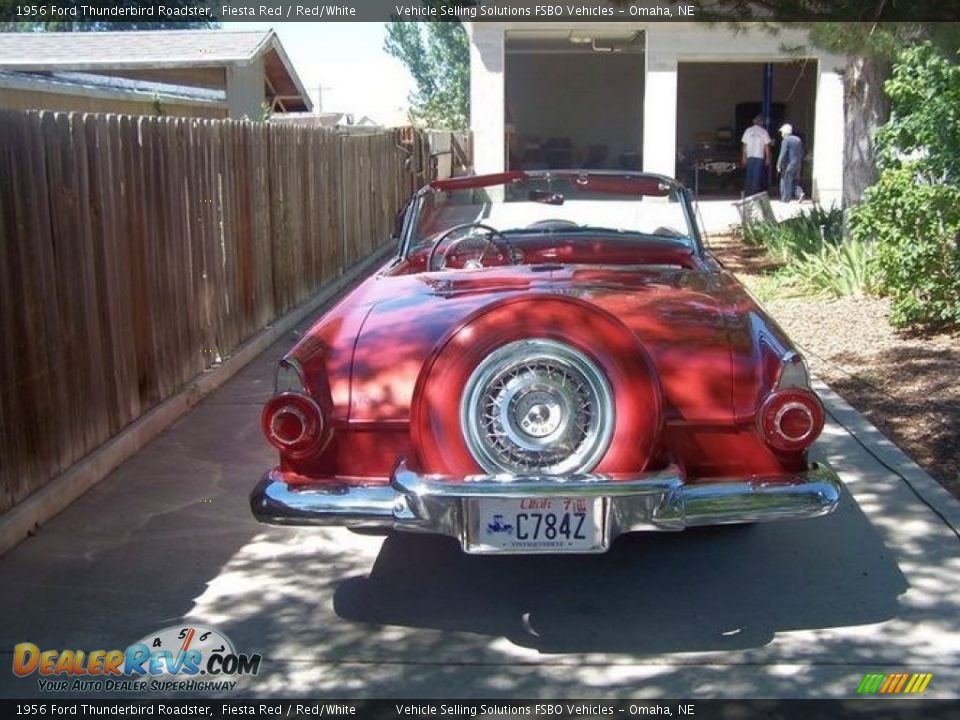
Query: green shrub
{"points": [[913, 211], [924, 125], [916, 227]]}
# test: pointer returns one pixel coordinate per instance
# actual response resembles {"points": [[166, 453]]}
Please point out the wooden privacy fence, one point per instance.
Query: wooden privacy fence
{"points": [[135, 252]]}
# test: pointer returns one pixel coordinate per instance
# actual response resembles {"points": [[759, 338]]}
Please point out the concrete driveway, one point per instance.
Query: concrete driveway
{"points": [[796, 609]]}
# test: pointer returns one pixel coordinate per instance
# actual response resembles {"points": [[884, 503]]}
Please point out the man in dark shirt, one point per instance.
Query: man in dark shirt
{"points": [[788, 164]]}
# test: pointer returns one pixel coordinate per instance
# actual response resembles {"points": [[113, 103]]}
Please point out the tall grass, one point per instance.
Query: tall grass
{"points": [[849, 268], [800, 235], [815, 256]]}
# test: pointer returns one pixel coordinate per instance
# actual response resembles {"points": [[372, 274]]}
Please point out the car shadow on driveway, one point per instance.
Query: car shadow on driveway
{"points": [[705, 589]]}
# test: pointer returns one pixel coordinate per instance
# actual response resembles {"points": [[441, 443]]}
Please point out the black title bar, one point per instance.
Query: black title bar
{"points": [[857, 709]]}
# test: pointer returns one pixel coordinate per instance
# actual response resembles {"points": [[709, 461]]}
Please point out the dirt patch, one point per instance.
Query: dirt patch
{"points": [[907, 386]]}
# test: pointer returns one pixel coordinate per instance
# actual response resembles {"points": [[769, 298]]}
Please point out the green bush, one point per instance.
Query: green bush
{"points": [[913, 212], [916, 228], [924, 126]]}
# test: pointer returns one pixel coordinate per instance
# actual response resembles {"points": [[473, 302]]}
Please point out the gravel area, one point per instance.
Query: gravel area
{"points": [[907, 386]]}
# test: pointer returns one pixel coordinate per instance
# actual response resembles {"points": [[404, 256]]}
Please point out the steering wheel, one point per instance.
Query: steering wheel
{"points": [[494, 238]]}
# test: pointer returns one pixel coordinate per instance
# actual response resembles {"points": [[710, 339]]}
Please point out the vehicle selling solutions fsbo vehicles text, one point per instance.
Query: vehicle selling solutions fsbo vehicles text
{"points": [[555, 11], [477, 11], [592, 709]]}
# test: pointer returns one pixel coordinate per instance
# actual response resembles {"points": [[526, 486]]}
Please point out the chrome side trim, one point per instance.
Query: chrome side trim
{"points": [[649, 501], [274, 501], [283, 382], [793, 372]]}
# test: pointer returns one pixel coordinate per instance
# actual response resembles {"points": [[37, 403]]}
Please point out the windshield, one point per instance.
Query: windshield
{"points": [[596, 205]]}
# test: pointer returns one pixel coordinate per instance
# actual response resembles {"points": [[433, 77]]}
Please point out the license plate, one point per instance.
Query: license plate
{"points": [[535, 525]]}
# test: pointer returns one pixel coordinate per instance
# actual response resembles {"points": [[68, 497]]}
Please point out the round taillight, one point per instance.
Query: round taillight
{"points": [[288, 426], [791, 419], [292, 423], [795, 422]]}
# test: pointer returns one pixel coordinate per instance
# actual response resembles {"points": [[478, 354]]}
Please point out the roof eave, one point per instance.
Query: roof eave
{"points": [[272, 42], [27, 66], [53, 86]]}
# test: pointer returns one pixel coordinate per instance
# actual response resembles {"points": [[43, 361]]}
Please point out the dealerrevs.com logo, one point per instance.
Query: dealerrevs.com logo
{"points": [[180, 658]]}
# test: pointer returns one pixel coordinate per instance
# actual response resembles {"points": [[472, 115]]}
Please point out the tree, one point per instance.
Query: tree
{"points": [[912, 213], [871, 49], [77, 25], [870, 33], [437, 54]]}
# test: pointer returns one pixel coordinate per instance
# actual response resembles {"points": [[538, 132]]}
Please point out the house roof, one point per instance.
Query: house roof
{"points": [[154, 49], [90, 85], [157, 48], [320, 119]]}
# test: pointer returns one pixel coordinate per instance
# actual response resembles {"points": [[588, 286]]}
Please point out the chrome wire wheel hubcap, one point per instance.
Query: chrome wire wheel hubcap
{"points": [[537, 407]]}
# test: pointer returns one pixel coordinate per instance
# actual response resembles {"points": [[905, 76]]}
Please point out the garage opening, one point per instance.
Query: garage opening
{"points": [[574, 99], [717, 101]]}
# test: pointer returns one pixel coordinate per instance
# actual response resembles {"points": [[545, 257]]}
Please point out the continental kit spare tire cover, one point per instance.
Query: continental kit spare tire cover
{"points": [[539, 385]]}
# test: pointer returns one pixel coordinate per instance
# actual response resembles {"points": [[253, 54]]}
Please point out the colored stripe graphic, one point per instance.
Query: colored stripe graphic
{"points": [[894, 683], [921, 685], [870, 683]]}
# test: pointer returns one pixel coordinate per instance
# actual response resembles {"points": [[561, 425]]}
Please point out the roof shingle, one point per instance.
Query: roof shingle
{"points": [[29, 50]]}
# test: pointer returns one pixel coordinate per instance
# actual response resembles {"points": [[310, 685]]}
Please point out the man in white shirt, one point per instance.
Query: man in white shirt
{"points": [[756, 156]]}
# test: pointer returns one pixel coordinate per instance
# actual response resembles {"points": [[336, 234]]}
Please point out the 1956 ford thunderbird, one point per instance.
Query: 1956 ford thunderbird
{"points": [[551, 360]]}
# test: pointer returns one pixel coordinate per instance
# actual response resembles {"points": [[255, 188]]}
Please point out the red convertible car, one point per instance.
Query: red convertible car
{"points": [[551, 360]]}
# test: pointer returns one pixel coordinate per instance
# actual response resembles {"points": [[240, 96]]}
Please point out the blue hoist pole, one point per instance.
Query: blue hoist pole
{"points": [[767, 111]]}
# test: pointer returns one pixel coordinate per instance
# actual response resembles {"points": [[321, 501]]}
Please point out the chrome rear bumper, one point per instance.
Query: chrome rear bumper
{"points": [[651, 501]]}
